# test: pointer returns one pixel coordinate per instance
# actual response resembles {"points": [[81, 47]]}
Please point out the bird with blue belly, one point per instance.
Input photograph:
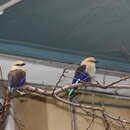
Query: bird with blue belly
{"points": [[16, 76], [84, 73]]}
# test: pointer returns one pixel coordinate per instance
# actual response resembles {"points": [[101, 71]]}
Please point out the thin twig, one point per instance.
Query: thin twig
{"points": [[98, 85], [90, 124], [118, 81], [107, 125], [1, 75], [59, 80]]}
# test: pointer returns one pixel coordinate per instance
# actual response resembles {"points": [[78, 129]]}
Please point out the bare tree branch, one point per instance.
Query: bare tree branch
{"points": [[90, 124], [107, 125], [59, 80], [118, 81], [88, 109]]}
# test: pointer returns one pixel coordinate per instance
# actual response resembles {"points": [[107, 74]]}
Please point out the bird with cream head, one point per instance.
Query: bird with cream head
{"points": [[84, 73], [18, 65], [90, 65], [17, 75]]}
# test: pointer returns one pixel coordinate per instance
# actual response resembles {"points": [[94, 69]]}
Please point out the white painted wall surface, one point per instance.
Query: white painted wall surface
{"points": [[36, 73], [48, 72]]}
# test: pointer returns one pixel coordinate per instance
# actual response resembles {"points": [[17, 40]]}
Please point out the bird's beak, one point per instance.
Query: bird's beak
{"points": [[97, 61], [23, 64]]}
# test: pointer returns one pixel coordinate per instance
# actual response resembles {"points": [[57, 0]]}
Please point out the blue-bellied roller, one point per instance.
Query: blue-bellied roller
{"points": [[16, 76], [84, 73]]}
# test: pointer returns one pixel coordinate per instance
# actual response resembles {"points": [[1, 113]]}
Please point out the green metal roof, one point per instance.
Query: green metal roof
{"points": [[68, 31]]}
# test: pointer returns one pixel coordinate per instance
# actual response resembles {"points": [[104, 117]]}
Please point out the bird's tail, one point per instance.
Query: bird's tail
{"points": [[70, 91], [11, 89]]}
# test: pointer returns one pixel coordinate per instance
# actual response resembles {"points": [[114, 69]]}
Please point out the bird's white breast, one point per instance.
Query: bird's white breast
{"points": [[17, 68], [91, 69]]}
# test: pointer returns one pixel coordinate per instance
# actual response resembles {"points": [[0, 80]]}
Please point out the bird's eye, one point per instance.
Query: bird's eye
{"points": [[17, 64], [23, 64], [20, 64]]}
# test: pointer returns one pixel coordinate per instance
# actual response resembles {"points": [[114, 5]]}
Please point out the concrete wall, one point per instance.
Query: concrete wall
{"points": [[49, 114], [48, 72]]}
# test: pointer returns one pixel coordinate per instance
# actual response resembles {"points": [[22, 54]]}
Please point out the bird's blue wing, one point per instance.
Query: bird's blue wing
{"points": [[16, 78], [80, 76]]}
